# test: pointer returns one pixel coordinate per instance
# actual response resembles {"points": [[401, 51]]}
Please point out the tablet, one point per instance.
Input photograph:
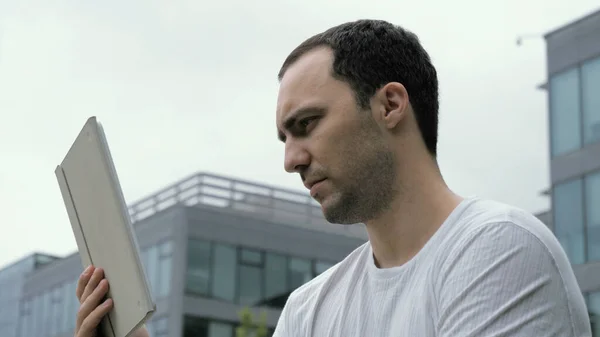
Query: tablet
{"points": [[102, 228]]}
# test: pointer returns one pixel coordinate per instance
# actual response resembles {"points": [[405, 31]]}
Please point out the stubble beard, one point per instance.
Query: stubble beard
{"points": [[368, 189]]}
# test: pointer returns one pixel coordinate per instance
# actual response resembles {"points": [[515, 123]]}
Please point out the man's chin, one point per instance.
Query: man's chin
{"points": [[334, 212]]}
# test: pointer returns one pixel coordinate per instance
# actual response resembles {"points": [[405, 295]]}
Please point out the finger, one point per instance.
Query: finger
{"points": [[92, 301], [97, 276], [83, 281], [90, 324]]}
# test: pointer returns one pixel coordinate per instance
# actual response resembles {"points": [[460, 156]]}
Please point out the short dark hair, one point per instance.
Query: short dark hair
{"points": [[368, 54]]}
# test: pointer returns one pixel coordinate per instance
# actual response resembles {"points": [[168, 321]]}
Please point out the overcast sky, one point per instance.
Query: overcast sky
{"points": [[183, 86]]}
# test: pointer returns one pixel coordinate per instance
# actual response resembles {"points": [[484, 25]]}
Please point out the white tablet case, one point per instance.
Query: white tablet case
{"points": [[98, 214]]}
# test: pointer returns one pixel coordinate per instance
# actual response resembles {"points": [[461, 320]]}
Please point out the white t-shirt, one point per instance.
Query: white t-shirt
{"points": [[489, 270]]}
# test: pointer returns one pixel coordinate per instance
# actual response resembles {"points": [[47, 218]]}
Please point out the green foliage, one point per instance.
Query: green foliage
{"points": [[250, 328]]}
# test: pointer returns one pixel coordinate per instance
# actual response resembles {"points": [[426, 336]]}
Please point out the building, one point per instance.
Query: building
{"points": [[210, 246], [573, 61], [12, 278]]}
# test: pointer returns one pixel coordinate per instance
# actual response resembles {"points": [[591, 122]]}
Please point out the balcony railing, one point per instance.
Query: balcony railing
{"points": [[264, 202]]}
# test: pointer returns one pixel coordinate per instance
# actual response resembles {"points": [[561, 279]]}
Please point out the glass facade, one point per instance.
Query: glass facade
{"points": [[592, 207], [53, 311], [575, 204], [50, 312], [246, 276], [575, 108], [565, 114], [201, 327], [590, 87], [593, 304], [224, 267], [11, 283], [158, 327], [157, 261], [567, 205], [575, 123]]}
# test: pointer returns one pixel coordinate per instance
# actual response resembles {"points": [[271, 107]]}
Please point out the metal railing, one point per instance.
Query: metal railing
{"points": [[264, 202]]}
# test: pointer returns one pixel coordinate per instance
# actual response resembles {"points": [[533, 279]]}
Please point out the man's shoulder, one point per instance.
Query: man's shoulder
{"points": [[483, 215], [502, 256], [302, 295], [492, 228]]}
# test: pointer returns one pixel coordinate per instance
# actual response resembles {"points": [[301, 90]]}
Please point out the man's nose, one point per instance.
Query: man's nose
{"points": [[297, 159]]}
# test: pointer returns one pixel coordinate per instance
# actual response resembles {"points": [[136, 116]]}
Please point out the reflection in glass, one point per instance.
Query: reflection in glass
{"points": [[594, 311], [217, 329], [250, 283], [251, 256], [590, 87], [592, 206], [300, 272], [565, 114], [322, 266], [276, 277], [198, 267], [165, 268], [567, 206], [224, 272]]}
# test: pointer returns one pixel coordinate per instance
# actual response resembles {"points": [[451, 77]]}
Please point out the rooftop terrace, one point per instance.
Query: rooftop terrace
{"points": [[263, 202]]}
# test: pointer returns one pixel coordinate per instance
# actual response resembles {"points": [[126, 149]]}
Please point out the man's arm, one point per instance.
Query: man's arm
{"points": [[503, 281]]}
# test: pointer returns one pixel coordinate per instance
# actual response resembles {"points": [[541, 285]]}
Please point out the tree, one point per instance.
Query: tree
{"points": [[250, 328]]}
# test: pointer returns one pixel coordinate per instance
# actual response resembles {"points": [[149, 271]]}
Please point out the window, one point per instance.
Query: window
{"points": [[74, 305], [165, 260], [565, 117], [26, 319], [594, 312], [46, 312], [251, 256], [157, 261], [198, 267], [250, 285], [160, 327], [300, 272], [202, 327], [68, 306], [276, 277], [567, 206], [150, 329], [590, 86], [56, 313], [224, 272], [592, 202], [246, 276], [322, 266], [195, 327], [38, 315], [250, 277], [151, 258], [217, 329]]}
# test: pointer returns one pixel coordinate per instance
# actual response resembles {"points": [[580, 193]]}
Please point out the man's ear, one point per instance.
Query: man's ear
{"points": [[392, 104]]}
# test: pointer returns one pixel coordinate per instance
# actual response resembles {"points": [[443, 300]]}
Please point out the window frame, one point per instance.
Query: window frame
{"points": [[582, 127], [586, 220], [581, 180], [577, 70], [583, 109]]}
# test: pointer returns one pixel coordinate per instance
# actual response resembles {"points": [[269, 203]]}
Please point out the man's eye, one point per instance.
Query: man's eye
{"points": [[306, 122]]}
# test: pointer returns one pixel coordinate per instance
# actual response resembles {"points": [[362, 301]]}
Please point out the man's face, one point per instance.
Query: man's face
{"points": [[337, 148]]}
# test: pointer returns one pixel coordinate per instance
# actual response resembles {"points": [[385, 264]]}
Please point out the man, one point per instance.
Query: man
{"points": [[358, 113]]}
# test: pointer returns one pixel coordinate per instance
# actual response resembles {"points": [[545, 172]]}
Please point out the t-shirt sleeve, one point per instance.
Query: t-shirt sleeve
{"points": [[501, 280], [287, 325]]}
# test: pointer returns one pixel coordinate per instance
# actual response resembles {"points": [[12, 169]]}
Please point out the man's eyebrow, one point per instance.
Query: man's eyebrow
{"points": [[291, 119]]}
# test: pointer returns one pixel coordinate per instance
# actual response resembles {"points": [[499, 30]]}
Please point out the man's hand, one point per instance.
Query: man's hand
{"points": [[92, 287]]}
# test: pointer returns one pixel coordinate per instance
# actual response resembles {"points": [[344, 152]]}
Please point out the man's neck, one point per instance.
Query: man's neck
{"points": [[412, 219]]}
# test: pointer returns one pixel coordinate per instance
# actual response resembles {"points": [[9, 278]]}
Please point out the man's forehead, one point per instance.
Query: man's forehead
{"points": [[303, 81]]}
